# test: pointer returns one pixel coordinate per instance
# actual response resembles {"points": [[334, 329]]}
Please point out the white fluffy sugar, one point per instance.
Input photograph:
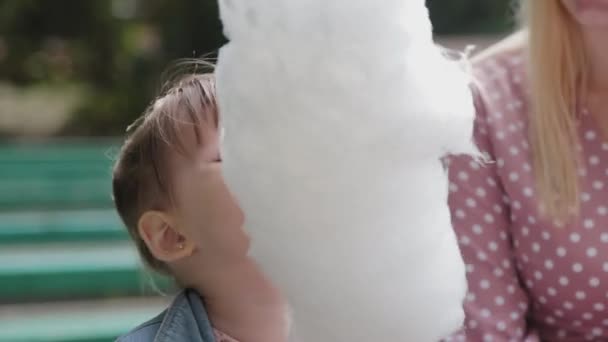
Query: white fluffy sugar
{"points": [[336, 113]]}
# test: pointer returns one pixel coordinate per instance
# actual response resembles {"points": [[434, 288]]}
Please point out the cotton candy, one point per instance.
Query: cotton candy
{"points": [[336, 114]]}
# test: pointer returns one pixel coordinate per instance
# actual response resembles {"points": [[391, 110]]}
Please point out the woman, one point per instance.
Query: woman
{"points": [[533, 223]]}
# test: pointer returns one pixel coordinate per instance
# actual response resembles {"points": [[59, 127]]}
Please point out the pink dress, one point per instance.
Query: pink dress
{"points": [[530, 279]]}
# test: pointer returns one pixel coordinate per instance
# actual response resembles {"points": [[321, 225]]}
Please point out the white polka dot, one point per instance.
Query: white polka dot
{"points": [[489, 218], [472, 324], [506, 263], [550, 320], [500, 163], [538, 275], [488, 338], [604, 237], [527, 167], [514, 315], [545, 235], [564, 281], [531, 220], [497, 208], [599, 307], [561, 252], [590, 135], [493, 246], [558, 223], [605, 322], [470, 268], [529, 283], [499, 301], [549, 264], [594, 282], [575, 237], [498, 272], [471, 203], [500, 135], [516, 205], [528, 192], [463, 176], [460, 213], [552, 291], [484, 284], [465, 240], [474, 165], [568, 305], [598, 185], [605, 267], [480, 192], [513, 176], [511, 289], [536, 247], [580, 295], [577, 267], [585, 197], [513, 128], [482, 256], [523, 306], [588, 224], [592, 252], [562, 334], [453, 187], [485, 313], [501, 326], [597, 332], [491, 182], [525, 231], [594, 160], [477, 229], [582, 172], [514, 150], [587, 316], [603, 211], [470, 297]]}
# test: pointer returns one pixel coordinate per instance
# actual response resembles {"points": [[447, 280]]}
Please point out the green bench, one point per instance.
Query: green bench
{"points": [[64, 253], [72, 271], [96, 321], [60, 226], [56, 176], [59, 235]]}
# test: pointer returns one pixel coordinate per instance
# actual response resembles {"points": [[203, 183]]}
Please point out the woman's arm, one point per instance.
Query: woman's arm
{"points": [[496, 305]]}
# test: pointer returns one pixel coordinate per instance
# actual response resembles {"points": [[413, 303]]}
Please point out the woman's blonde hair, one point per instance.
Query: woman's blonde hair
{"points": [[557, 73]]}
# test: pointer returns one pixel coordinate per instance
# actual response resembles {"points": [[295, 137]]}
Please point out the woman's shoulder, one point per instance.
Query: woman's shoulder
{"points": [[500, 87], [500, 69]]}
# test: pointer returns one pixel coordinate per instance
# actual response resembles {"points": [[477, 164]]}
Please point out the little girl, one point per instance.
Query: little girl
{"points": [[169, 191]]}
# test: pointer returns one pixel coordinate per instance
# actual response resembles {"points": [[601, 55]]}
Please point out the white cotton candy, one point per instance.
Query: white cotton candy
{"points": [[336, 113]]}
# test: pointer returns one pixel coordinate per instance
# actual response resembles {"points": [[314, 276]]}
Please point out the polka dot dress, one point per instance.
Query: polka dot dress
{"points": [[530, 278]]}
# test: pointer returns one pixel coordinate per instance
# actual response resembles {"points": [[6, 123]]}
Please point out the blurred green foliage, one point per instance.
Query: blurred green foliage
{"points": [[115, 50]]}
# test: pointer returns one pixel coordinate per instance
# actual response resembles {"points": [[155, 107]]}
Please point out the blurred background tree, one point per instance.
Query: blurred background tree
{"points": [[106, 56]]}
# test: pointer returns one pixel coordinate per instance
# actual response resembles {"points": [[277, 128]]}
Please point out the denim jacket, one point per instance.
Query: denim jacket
{"points": [[184, 321]]}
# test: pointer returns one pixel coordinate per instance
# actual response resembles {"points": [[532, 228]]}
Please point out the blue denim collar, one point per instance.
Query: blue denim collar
{"points": [[186, 320]]}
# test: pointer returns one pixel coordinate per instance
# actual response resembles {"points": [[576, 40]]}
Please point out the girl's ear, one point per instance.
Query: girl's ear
{"points": [[157, 229]]}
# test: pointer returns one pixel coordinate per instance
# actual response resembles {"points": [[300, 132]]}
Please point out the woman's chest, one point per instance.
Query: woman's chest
{"points": [[562, 265]]}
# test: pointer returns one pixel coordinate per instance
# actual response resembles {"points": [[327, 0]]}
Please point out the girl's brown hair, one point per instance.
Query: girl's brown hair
{"points": [[141, 178]]}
